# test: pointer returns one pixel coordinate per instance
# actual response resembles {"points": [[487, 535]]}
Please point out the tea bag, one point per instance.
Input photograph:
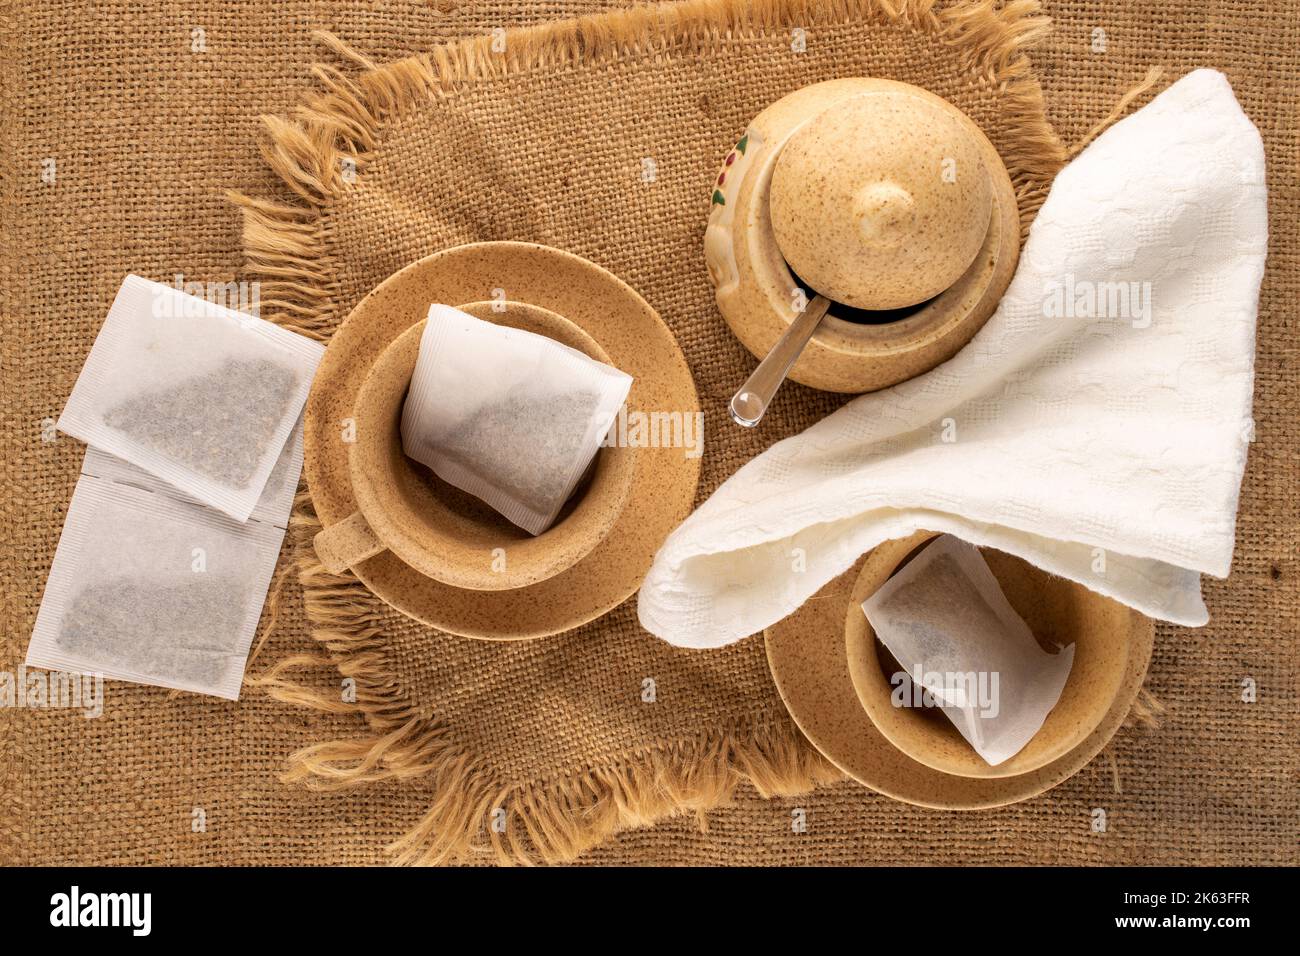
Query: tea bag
{"points": [[950, 627], [509, 416], [273, 506], [199, 395], [151, 588]]}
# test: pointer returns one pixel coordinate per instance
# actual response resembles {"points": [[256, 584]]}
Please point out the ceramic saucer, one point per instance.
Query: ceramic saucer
{"points": [[637, 341], [806, 653]]}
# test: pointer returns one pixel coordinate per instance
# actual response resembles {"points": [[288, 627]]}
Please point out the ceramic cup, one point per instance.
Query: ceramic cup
{"points": [[1058, 612], [441, 531]]}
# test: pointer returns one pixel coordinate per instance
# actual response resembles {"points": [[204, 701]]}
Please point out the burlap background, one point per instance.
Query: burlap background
{"points": [[146, 133]]}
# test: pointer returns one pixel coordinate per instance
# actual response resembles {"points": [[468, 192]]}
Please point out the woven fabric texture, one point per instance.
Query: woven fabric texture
{"points": [[145, 131]]}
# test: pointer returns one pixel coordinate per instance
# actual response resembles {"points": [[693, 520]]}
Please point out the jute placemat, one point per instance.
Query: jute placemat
{"points": [[540, 750], [121, 108]]}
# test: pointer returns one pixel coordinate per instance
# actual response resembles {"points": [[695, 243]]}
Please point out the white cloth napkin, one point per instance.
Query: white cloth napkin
{"points": [[1103, 444]]}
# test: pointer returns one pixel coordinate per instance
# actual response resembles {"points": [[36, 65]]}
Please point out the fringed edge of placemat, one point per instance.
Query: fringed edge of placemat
{"points": [[308, 148], [287, 248], [548, 821]]}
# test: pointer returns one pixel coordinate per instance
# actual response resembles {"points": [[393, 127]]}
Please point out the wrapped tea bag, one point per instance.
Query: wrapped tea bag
{"points": [[950, 627], [509, 416], [194, 393], [151, 588]]}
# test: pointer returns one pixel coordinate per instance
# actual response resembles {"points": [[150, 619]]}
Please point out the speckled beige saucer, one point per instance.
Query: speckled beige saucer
{"points": [[1058, 612], [884, 199], [438, 529], [807, 657], [636, 341]]}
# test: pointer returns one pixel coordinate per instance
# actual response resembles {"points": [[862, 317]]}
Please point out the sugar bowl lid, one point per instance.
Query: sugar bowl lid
{"points": [[884, 201]]}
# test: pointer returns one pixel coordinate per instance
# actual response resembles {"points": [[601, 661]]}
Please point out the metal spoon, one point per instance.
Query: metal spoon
{"points": [[749, 404]]}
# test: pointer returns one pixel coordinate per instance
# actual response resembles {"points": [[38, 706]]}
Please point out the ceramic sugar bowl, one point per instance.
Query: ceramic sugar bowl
{"points": [[879, 196]]}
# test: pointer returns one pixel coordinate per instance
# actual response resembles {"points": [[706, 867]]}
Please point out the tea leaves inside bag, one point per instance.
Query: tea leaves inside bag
{"points": [[218, 423], [527, 462], [120, 624]]}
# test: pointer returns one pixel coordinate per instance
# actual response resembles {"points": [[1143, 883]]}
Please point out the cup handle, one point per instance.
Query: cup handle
{"points": [[346, 543]]}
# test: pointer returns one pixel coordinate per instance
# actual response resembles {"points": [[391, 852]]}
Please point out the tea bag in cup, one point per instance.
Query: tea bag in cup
{"points": [[154, 589], [950, 627], [199, 395], [509, 416]]}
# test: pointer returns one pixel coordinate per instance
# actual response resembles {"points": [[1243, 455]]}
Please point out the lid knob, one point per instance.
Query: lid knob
{"points": [[883, 201], [886, 214]]}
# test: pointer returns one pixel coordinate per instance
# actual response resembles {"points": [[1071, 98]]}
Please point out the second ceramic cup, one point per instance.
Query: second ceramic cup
{"points": [[440, 530]]}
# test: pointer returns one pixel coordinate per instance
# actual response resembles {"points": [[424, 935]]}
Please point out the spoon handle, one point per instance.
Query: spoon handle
{"points": [[749, 404]]}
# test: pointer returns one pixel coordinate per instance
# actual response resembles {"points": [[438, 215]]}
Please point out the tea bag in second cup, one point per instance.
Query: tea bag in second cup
{"points": [[509, 416], [948, 624]]}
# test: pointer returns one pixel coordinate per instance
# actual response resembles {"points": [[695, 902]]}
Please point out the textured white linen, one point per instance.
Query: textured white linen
{"points": [[1105, 444]]}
